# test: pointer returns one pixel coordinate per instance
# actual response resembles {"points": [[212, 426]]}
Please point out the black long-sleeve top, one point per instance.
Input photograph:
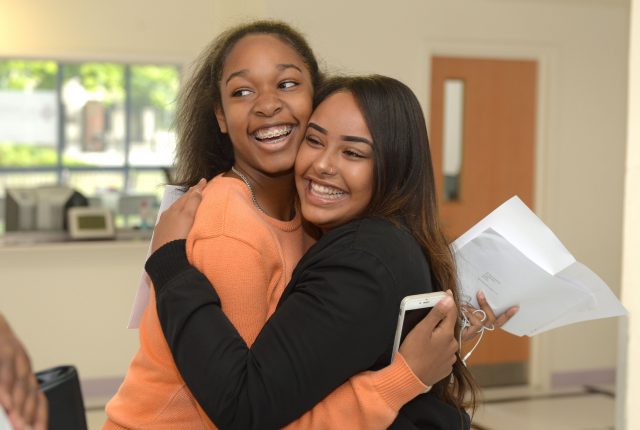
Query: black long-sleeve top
{"points": [[336, 318]]}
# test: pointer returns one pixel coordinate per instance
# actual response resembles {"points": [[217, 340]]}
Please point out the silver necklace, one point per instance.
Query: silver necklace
{"points": [[253, 193]]}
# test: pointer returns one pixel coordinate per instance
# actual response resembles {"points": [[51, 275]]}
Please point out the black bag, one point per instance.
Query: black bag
{"points": [[61, 386]]}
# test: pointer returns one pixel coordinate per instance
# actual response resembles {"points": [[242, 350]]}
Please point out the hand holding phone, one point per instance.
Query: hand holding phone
{"points": [[430, 347], [412, 310]]}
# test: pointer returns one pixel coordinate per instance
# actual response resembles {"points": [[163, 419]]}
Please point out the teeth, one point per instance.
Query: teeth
{"points": [[273, 132], [326, 192]]}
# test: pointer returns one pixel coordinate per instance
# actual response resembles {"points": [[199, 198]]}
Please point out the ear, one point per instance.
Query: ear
{"points": [[222, 121]]}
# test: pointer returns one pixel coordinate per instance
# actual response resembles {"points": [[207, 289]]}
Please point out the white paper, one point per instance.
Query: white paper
{"points": [[515, 259], [4, 420], [605, 303], [514, 221], [171, 194]]}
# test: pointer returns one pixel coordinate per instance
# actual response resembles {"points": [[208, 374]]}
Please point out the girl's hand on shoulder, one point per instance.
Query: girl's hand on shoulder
{"points": [[486, 318], [430, 347], [176, 221]]}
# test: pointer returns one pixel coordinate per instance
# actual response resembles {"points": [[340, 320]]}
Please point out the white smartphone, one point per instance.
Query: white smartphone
{"points": [[412, 310]]}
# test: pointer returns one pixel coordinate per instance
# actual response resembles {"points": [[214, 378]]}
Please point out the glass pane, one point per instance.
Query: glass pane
{"points": [[28, 113], [25, 180], [453, 137], [93, 96], [148, 182], [97, 183], [154, 91]]}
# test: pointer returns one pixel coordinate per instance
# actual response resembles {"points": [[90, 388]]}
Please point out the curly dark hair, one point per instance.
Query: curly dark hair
{"points": [[203, 151]]}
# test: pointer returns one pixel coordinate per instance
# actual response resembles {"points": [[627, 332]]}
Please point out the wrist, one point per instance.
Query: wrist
{"points": [[397, 384], [167, 262]]}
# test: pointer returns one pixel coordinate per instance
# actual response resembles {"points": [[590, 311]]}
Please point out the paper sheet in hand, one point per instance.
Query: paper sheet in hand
{"points": [[515, 259], [171, 194], [4, 420]]}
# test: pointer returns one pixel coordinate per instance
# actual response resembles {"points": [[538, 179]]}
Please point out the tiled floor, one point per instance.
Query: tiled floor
{"points": [[95, 419], [560, 411], [95, 412], [509, 409]]}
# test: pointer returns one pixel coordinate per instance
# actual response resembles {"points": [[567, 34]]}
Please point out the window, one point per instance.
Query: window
{"points": [[98, 127]]}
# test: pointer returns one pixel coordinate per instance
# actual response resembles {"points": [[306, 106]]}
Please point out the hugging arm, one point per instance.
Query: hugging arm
{"points": [[319, 337]]}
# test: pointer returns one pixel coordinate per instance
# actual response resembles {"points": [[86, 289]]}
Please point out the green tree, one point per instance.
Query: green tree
{"points": [[25, 155], [28, 75], [155, 86], [103, 79]]}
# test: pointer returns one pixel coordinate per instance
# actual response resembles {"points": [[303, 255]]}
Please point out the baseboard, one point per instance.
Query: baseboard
{"points": [[500, 375], [97, 391], [582, 378]]}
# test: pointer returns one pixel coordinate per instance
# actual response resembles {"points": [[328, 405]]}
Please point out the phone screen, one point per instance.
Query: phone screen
{"points": [[411, 318]]}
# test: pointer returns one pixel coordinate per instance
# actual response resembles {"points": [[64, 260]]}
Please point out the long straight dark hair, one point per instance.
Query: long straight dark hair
{"points": [[203, 151], [404, 188]]}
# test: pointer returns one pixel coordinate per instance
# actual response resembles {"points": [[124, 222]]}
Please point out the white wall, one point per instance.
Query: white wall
{"points": [[581, 46], [118, 30], [629, 380], [70, 303]]}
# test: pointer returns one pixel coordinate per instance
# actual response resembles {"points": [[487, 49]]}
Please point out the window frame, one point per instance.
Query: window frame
{"points": [[60, 169]]}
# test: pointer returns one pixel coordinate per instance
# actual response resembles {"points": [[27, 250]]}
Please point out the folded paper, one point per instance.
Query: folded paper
{"points": [[515, 259]]}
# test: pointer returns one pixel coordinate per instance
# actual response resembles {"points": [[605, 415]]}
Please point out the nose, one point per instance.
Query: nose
{"points": [[325, 164], [268, 103]]}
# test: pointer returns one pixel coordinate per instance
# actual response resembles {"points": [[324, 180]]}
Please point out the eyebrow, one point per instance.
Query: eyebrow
{"points": [[347, 138], [234, 74], [288, 66], [280, 67]]}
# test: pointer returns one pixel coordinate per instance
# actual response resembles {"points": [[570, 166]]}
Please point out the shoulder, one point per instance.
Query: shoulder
{"points": [[374, 240], [226, 212], [223, 202], [392, 244], [380, 246], [376, 236], [372, 233]]}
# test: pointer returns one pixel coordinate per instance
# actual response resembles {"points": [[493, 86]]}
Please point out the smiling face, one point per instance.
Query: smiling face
{"points": [[334, 167], [266, 97]]}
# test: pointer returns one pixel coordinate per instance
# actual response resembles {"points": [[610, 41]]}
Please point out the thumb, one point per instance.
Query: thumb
{"points": [[437, 314], [192, 202]]}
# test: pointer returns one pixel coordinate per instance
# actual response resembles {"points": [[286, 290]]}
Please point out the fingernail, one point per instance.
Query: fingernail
{"points": [[481, 295]]}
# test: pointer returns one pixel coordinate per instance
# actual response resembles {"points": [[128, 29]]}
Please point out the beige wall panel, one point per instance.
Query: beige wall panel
{"points": [[70, 303]]}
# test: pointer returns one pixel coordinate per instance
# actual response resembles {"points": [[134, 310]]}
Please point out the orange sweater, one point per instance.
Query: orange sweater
{"points": [[249, 258]]}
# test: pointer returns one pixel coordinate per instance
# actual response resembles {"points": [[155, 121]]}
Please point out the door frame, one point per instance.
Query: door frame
{"points": [[540, 360]]}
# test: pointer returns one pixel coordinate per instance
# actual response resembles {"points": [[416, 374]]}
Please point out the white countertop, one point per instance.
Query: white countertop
{"points": [[30, 238]]}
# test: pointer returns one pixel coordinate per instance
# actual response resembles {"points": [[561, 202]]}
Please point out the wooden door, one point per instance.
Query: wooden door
{"points": [[496, 162]]}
